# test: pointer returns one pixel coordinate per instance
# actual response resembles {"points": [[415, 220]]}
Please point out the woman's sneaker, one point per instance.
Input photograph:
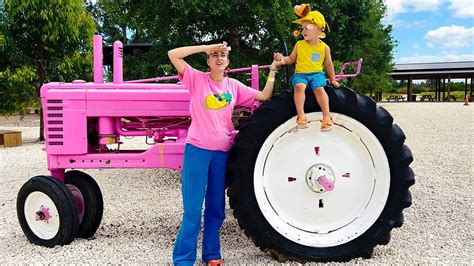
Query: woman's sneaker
{"points": [[214, 262]]}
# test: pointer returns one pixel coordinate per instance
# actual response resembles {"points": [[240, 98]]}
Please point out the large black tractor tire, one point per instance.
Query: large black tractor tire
{"points": [[88, 199], [46, 212], [280, 109]]}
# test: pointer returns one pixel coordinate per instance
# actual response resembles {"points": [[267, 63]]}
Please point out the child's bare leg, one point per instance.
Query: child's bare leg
{"points": [[323, 101], [299, 98]]}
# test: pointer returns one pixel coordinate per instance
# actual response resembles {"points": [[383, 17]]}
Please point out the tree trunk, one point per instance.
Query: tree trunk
{"points": [[235, 40], [124, 34], [42, 75]]}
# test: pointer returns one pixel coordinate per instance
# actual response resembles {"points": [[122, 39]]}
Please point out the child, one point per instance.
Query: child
{"points": [[213, 97], [310, 54]]}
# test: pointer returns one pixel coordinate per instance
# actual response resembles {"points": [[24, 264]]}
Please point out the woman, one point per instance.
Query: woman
{"points": [[213, 97]]}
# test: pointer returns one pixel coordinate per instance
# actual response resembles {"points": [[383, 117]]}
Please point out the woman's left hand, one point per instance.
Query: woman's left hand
{"points": [[276, 64]]}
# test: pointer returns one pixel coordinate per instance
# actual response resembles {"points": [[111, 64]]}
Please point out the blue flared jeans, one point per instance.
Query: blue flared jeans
{"points": [[203, 177]]}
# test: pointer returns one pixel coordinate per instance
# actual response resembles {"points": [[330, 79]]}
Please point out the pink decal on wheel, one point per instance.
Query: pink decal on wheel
{"points": [[316, 150]]}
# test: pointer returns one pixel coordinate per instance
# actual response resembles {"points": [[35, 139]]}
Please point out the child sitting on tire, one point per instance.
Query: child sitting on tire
{"points": [[310, 54]]}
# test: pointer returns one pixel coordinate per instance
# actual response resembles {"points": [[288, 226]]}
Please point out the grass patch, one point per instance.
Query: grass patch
{"points": [[459, 95]]}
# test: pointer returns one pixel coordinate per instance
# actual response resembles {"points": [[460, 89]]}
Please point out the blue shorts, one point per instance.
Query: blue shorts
{"points": [[313, 80]]}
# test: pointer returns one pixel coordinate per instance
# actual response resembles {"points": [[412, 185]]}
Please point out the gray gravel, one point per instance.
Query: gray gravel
{"points": [[143, 207]]}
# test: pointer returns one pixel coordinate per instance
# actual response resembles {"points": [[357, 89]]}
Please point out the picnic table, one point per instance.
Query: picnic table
{"points": [[451, 97], [395, 98], [427, 97]]}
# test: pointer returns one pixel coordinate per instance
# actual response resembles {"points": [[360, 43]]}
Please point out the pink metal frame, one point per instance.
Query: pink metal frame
{"points": [[342, 75], [131, 108]]}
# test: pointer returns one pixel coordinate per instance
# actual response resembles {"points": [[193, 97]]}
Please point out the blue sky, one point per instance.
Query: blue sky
{"points": [[432, 30]]}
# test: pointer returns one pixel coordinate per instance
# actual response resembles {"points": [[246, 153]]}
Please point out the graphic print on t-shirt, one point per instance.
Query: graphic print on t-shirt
{"points": [[315, 56], [217, 100]]}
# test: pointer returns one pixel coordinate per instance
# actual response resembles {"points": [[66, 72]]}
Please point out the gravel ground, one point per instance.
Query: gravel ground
{"points": [[143, 207]]}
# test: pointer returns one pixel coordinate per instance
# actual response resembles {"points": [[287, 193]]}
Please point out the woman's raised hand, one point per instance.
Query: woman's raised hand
{"points": [[213, 48]]}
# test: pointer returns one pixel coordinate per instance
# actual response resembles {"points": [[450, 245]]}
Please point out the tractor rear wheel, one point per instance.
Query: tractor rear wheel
{"points": [[305, 195]]}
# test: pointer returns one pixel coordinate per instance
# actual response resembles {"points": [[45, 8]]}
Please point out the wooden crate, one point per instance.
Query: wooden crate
{"points": [[10, 138]]}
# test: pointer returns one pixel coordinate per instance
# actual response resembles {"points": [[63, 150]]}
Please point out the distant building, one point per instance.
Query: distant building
{"points": [[439, 72]]}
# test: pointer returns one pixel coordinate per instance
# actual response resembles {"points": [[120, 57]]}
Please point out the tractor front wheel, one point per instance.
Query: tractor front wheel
{"points": [[88, 199], [47, 212]]}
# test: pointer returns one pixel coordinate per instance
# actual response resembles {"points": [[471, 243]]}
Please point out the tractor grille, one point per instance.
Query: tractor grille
{"points": [[54, 125]]}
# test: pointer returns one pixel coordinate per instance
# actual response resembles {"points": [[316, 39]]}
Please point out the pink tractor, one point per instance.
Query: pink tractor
{"points": [[299, 194]]}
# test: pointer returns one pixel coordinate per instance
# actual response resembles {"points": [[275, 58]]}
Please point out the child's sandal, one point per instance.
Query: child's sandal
{"points": [[302, 122], [326, 124]]}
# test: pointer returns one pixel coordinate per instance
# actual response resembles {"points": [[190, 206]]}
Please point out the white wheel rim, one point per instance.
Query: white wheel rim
{"points": [[354, 161], [44, 229]]}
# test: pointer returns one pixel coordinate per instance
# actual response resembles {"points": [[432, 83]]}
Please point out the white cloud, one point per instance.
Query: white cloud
{"points": [[435, 58], [462, 8], [451, 36], [395, 7], [416, 46], [459, 8]]}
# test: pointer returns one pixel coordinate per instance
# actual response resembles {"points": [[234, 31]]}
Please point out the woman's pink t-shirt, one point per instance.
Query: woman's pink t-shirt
{"points": [[211, 107]]}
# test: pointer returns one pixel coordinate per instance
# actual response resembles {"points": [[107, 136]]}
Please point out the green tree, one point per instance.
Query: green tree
{"points": [[112, 17], [357, 32], [17, 89], [17, 81], [46, 34], [254, 29]]}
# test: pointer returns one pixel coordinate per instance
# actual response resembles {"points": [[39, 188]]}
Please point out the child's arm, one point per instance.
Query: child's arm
{"points": [[328, 65], [292, 58], [177, 55]]}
